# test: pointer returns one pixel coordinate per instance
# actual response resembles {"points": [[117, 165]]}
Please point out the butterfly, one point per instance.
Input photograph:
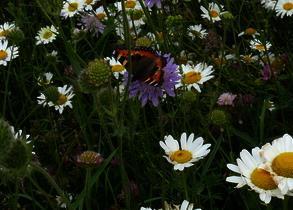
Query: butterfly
{"points": [[146, 64]]}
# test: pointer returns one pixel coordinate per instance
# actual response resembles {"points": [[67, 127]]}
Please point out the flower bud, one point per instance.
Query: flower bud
{"points": [[96, 74]]}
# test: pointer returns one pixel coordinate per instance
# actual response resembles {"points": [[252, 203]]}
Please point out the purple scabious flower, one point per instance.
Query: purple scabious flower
{"points": [[151, 3], [146, 91], [266, 72], [93, 24]]}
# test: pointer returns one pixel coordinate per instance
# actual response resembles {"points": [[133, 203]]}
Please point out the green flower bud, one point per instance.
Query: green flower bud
{"points": [[18, 156], [189, 96], [97, 74], [136, 14], [219, 117], [15, 36], [143, 42], [52, 94], [227, 15], [6, 137]]}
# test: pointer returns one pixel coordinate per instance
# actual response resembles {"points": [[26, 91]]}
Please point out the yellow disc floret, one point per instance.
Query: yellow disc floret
{"points": [[3, 54], [72, 7], [47, 34], [214, 13], [191, 77], [288, 6], [282, 165], [117, 68], [181, 156], [262, 179], [62, 99], [250, 31], [88, 1], [130, 4]]}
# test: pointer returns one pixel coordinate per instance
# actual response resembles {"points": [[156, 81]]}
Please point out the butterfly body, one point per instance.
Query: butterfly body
{"points": [[146, 65]]}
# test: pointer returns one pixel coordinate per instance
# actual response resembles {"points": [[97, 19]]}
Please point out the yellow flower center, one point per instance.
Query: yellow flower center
{"points": [[117, 68], [260, 47], [130, 4], [191, 77], [101, 15], [181, 156], [288, 6], [88, 1], [250, 31], [214, 13], [47, 34], [62, 99], [247, 58], [262, 179], [3, 55], [3, 33], [72, 7], [283, 164]]}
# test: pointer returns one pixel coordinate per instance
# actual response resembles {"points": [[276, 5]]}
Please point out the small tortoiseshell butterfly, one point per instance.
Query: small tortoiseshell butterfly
{"points": [[146, 64]]}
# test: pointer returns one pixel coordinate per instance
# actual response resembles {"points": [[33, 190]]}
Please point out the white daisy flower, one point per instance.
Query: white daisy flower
{"points": [[213, 12], [249, 32], [252, 173], [18, 134], [185, 155], [186, 205], [269, 4], [279, 161], [284, 7], [116, 66], [61, 202], [62, 98], [5, 29], [259, 46], [88, 4], [193, 76], [45, 79], [46, 35], [249, 58], [100, 13], [7, 53], [197, 31], [129, 5], [72, 7], [143, 208]]}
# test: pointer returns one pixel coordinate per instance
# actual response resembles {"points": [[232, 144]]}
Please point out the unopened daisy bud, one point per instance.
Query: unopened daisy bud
{"points": [[6, 137], [227, 15], [219, 117], [90, 158], [15, 36], [97, 73], [143, 42], [136, 14], [52, 94], [174, 20], [189, 96], [17, 156]]}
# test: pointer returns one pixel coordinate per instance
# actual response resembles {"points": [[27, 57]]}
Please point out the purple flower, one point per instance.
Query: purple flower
{"points": [[266, 72], [92, 24], [151, 3], [146, 91]]}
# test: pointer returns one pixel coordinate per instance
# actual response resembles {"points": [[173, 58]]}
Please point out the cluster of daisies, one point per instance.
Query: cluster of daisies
{"points": [[281, 7], [7, 51], [267, 170], [52, 96]]}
